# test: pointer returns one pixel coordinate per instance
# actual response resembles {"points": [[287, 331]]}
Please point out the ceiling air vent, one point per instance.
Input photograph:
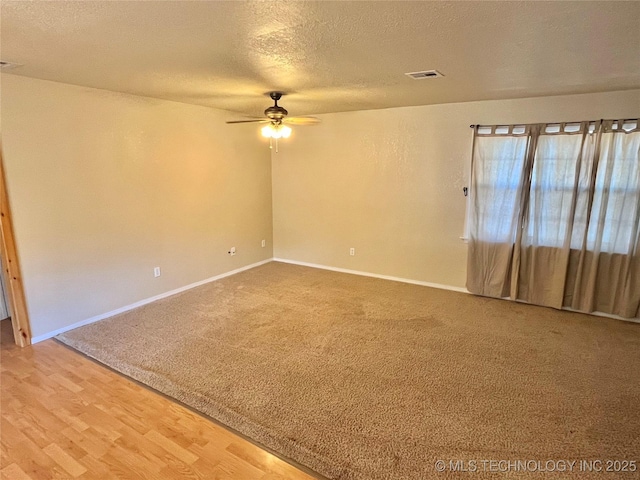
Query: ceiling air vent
{"points": [[8, 65], [425, 74]]}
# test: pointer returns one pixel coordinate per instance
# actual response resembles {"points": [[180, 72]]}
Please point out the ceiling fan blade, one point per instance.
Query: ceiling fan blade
{"points": [[250, 121], [302, 120]]}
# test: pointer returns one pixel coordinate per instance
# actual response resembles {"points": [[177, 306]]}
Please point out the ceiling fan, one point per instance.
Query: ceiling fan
{"points": [[278, 121]]}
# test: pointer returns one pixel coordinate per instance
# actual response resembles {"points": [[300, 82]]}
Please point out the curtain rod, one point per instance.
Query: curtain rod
{"points": [[556, 123]]}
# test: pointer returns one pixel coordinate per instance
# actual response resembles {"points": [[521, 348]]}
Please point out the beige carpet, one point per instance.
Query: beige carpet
{"points": [[360, 378]]}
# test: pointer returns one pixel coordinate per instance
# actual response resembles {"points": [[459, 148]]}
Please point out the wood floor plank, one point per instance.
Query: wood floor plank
{"points": [[170, 446], [146, 465], [35, 462], [123, 467], [206, 464], [32, 432], [10, 436], [260, 459], [64, 416], [14, 472], [97, 469], [234, 467], [65, 460], [65, 382], [88, 440], [70, 419], [134, 441], [129, 417]]}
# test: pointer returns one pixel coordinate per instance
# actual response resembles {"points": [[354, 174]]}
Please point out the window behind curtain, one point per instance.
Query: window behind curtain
{"points": [[617, 198], [498, 186], [554, 213]]}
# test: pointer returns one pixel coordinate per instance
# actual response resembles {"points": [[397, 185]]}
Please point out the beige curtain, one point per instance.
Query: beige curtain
{"points": [[555, 215]]}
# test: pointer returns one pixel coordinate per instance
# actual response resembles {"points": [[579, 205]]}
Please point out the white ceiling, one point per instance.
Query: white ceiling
{"points": [[329, 56]]}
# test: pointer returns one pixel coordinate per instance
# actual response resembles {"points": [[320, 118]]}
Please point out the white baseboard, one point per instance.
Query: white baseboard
{"points": [[374, 275], [605, 315], [102, 316], [441, 286], [435, 285]]}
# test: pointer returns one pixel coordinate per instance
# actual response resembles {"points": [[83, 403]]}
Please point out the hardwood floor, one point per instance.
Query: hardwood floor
{"points": [[64, 416]]}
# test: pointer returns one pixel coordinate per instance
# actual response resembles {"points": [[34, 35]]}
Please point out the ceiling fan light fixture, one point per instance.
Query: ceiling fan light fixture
{"points": [[286, 131], [276, 131]]}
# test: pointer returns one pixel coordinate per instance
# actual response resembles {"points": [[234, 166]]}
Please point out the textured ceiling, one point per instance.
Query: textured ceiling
{"points": [[329, 56]]}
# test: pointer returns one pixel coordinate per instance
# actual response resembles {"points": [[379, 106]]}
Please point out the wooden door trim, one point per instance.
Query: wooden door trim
{"points": [[11, 268]]}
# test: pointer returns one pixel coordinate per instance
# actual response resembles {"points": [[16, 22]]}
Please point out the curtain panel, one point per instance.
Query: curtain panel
{"points": [[555, 215]]}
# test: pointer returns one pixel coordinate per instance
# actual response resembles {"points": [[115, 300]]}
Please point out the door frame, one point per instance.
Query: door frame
{"points": [[11, 268]]}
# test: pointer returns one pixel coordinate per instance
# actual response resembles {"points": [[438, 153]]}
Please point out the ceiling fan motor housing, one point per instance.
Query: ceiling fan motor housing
{"points": [[276, 113]]}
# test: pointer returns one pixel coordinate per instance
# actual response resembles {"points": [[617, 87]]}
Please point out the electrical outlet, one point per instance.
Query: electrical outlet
{"points": [[156, 272], [264, 243], [352, 251], [232, 252]]}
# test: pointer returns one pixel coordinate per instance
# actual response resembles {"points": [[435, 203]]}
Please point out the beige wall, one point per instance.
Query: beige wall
{"points": [[106, 186], [389, 182]]}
